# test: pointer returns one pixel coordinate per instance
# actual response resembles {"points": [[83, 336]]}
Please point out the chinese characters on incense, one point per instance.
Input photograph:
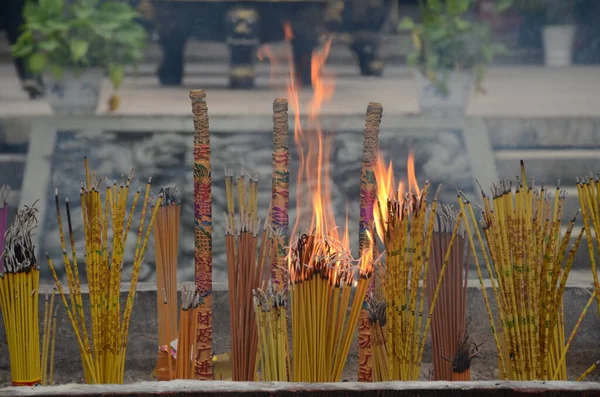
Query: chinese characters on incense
{"points": [[202, 233], [368, 190]]}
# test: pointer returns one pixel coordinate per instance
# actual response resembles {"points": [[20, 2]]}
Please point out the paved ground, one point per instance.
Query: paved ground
{"points": [[512, 91]]}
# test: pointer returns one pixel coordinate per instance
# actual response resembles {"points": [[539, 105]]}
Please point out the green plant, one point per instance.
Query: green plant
{"points": [[78, 34], [449, 39]]}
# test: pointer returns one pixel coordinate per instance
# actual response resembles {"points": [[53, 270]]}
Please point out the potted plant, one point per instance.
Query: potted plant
{"points": [[76, 43], [450, 52], [559, 32]]}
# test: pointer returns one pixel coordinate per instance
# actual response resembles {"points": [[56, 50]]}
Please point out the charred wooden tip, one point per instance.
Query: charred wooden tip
{"points": [[374, 108], [197, 96], [280, 105]]}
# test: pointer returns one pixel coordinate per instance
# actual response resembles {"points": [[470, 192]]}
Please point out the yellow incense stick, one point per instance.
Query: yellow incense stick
{"points": [[103, 348], [528, 263], [19, 300]]}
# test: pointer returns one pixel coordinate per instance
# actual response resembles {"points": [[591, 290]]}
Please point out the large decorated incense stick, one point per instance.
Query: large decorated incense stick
{"points": [[102, 339], [368, 191], [202, 232], [280, 190], [248, 265], [4, 191], [452, 349], [19, 291], [528, 261], [166, 241]]}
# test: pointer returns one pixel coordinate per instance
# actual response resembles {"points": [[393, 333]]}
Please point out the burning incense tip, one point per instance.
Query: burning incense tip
{"points": [[197, 96], [280, 104], [374, 108]]}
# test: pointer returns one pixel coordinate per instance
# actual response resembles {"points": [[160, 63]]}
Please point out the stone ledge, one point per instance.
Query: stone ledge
{"points": [[421, 389]]}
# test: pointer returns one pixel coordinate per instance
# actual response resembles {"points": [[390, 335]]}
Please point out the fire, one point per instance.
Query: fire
{"points": [[386, 190], [265, 52], [313, 195], [287, 31]]}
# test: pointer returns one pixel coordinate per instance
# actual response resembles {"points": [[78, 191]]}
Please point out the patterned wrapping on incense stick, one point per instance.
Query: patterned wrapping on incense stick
{"points": [[280, 190], [203, 232], [368, 191]]}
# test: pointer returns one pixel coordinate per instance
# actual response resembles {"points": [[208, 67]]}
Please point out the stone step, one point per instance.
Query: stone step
{"points": [[548, 165], [543, 132]]}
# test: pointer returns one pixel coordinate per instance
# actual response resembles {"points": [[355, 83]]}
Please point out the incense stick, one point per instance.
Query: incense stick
{"points": [[19, 290], [166, 237], [247, 269], [48, 339], [377, 322], [406, 224], [524, 254], [449, 337], [103, 347], [185, 362], [203, 233], [270, 309], [324, 317], [368, 191], [280, 191], [589, 201]]}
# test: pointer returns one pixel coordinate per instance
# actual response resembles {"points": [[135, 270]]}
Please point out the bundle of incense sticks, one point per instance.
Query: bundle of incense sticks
{"points": [[49, 340], [270, 309], [524, 257], [588, 192], [377, 321], [248, 266], [185, 345], [19, 290], [4, 192], [327, 291], [406, 224], [448, 325], [166, 238], [103, 347]]}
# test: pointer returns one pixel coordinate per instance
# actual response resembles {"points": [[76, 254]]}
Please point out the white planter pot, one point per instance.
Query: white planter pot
{"points": [[75, 93], [432, 102], [558, 45]]}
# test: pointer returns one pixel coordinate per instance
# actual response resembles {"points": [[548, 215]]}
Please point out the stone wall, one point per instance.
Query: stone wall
{"points": [[167, 158]]}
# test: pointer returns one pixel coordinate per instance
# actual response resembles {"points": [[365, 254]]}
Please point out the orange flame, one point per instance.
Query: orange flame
{"points": [[386, 190], [313, 174], [265, 52], [413, 186], [287, 31]]}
